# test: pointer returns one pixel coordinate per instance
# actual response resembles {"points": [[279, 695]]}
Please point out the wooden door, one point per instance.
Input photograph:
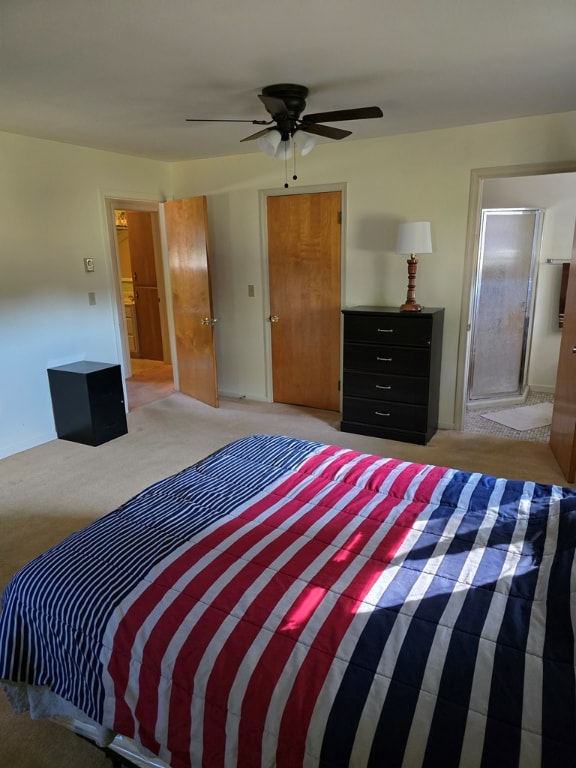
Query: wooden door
{"points": [[305, 290], [188, 256], [563, 429], [146, 298]]}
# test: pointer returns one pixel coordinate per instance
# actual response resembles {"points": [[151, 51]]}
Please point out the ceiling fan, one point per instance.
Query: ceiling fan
{"points": [[285, 103]]}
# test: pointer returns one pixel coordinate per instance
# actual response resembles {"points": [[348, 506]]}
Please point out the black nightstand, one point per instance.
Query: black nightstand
{"points": [[88, 402], [391, 382]]}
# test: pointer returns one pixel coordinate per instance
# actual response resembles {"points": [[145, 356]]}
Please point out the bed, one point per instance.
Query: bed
{"points": [[293, 604]]}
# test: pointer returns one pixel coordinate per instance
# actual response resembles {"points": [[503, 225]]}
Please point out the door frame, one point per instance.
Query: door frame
{"points": [[264, 194], [520, 395], [471, 255], [111, 203]]}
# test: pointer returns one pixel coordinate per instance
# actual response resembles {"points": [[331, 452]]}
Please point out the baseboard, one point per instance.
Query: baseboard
{"points": [[240, 396]]}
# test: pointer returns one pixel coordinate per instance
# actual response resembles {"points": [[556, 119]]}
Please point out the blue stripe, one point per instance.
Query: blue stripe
{"points": [[346, 711], [66, 599], [559, 690]]}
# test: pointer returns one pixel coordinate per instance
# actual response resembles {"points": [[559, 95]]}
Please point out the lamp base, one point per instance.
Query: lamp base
{"points": [[411, 307]]}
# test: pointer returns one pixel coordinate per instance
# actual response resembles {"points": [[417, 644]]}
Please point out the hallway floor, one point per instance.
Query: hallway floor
{"points": [[474, 421], [151, 380]]}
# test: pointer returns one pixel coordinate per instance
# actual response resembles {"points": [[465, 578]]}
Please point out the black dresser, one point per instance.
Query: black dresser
{"points": [[88, 402], [391, 381]]}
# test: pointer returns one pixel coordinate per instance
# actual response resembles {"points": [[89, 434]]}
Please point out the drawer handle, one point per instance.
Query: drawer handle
{"points": [[384, 359], [380, 386], [385, 330], [379, 413]]}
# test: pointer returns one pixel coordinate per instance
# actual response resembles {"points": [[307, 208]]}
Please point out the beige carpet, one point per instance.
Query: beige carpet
{"points": [[57, 488]]}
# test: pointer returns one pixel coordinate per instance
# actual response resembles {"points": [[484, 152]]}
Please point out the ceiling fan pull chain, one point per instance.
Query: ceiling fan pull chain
{"points": [[294, 158], [286, 170]]}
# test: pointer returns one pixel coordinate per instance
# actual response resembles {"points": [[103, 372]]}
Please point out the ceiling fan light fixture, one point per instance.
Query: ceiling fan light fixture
{"points": [[270, 143], [305, 142]]}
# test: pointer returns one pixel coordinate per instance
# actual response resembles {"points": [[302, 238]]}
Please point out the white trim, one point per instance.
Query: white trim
{"points": [[112, 202]]}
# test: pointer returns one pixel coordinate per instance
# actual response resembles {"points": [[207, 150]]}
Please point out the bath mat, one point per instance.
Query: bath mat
{"points": [[524, 417]]}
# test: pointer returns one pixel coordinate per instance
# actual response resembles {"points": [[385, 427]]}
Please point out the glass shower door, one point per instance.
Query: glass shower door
{"points": [[509, 240]]}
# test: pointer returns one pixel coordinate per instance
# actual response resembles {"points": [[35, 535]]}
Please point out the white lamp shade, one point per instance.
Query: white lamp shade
{"points": [[305, 142], [414, 237], [270, 143], [284, 151]]}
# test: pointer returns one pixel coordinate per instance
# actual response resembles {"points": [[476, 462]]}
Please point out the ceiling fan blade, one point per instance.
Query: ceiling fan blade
{"points": [[257, 135], [225, 120], [325, 130], [273, 105], [362, 113]]}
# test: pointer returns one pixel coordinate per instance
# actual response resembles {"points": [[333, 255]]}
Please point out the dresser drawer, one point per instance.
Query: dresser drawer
{"points": [[399, 330], [404, 389], [382, 413], [410, 361]]}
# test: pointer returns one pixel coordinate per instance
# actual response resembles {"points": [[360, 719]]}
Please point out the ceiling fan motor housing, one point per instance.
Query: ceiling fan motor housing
{"points": [[291, 103]]}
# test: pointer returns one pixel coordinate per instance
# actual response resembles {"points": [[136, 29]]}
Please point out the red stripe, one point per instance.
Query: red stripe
{"points": [[147, 707], [310, 678], [312, 674], [119, 666], [241, 640]]}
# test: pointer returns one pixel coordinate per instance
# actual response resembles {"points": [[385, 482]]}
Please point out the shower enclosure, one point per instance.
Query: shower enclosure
{"points": [[502, 306]]}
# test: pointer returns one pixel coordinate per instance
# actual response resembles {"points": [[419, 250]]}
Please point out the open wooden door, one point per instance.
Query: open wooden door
{"points": [[188, 256], [304, 258], [563, 429]]}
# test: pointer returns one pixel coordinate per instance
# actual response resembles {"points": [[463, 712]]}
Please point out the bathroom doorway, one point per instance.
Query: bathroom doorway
{"points": [[502, 309], [551, 189]]}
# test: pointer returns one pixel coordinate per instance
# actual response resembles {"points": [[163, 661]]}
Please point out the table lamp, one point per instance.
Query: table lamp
{"points": [[413, 237]]}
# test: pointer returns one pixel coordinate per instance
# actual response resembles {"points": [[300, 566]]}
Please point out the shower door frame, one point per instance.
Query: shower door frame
{"points": [[519, 394]]}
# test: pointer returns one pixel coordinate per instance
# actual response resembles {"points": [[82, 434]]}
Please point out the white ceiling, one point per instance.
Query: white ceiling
{"points": [[124, 75]]}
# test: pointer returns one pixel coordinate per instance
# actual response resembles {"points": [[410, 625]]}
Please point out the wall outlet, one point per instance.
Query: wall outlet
{"points": [[89, 265], [91, 298]]}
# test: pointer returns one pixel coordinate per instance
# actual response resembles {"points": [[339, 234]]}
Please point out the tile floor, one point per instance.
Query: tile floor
{"points": [[474, 422]]}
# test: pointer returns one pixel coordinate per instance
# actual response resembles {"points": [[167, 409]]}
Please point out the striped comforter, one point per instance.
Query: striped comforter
{"points": [[286, 603]]}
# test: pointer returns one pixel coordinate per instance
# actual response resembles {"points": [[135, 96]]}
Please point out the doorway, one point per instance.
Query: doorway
{"points": [[143, 315], [551, 188], [502, 311]]}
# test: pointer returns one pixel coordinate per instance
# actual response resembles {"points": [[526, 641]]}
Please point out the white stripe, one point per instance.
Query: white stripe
{"points": [[386, 666], [316, 621], [482, 680], [350, 639], [424, 711], [531, 745]]}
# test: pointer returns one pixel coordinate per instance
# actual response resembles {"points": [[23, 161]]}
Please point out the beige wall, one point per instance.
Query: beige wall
{"points": [[52, 216], [409, 177]]}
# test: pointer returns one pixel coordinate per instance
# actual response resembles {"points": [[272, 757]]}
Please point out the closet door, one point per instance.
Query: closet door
{"points": [[509, 240], [304, 236]]}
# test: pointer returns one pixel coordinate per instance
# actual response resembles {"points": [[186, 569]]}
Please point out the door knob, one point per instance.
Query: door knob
{"points": [[574, 350], [274, 318], [208, 321]]}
